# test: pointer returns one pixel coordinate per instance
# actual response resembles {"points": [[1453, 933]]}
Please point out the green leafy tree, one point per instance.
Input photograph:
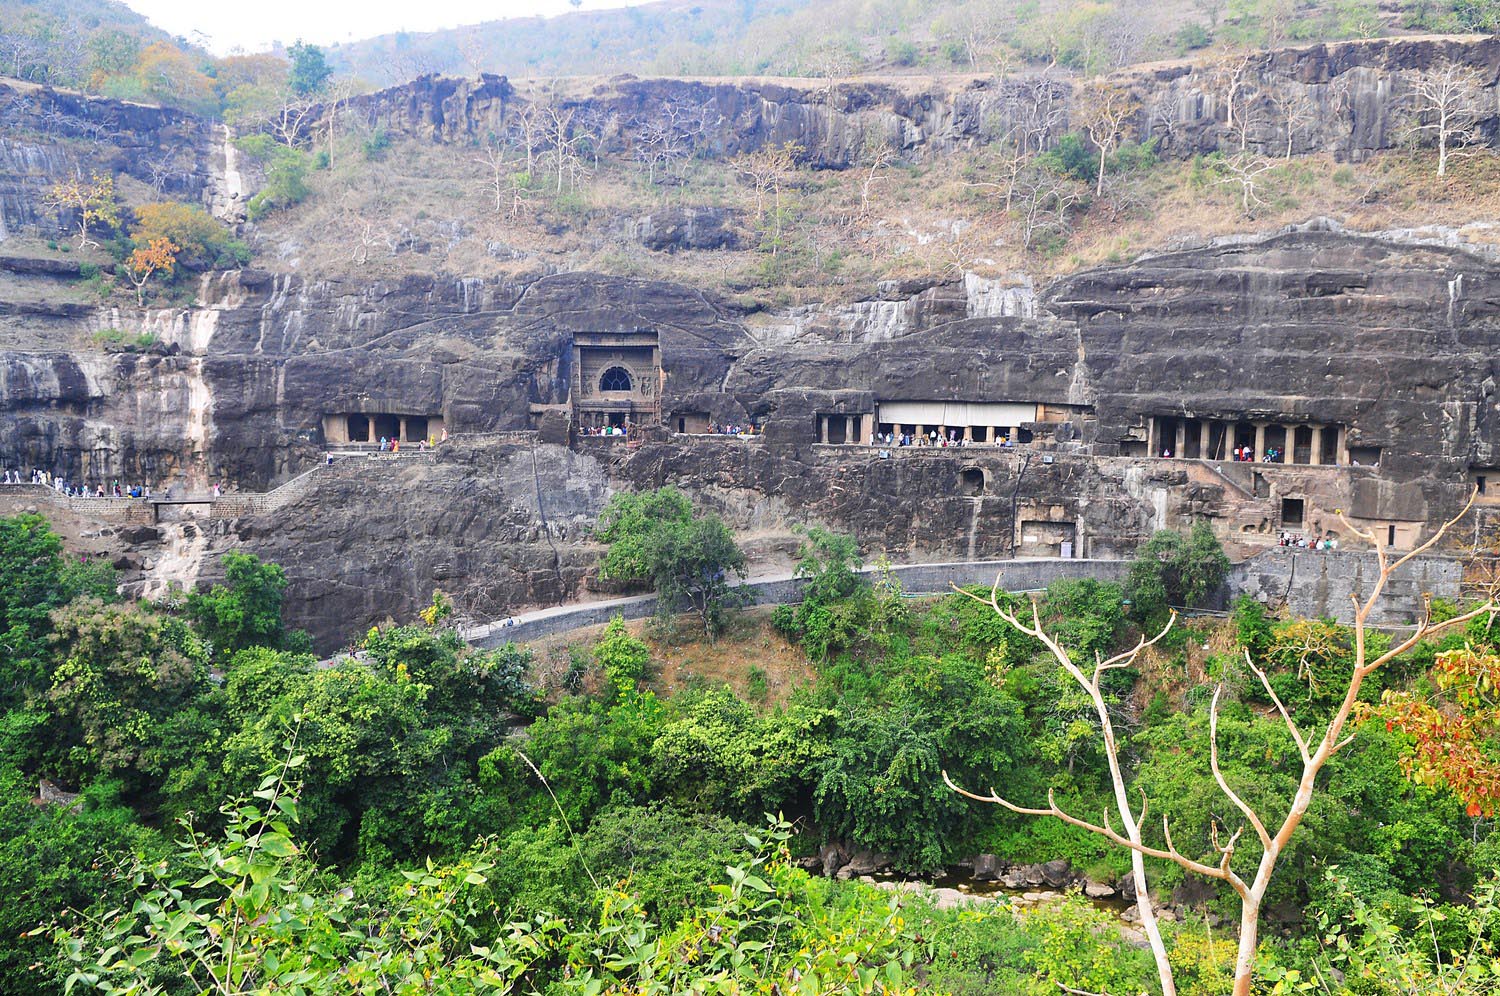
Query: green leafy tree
{"points": [[35, 579], [122, 674], [628, 523], [244, 611], [654, 537], [52, 858], [310, 69], [721, 755], [1171, 569], [828, 563], [286, 174], [622, 657]]}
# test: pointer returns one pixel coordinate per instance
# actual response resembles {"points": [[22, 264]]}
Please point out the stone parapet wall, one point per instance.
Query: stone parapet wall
{"points": [[916, 579], [130, 511], [1316, 584], [1311, 584]]}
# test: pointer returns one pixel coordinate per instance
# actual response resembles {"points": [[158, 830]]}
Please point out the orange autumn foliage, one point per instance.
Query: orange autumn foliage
{"points": [[1455, 729]]}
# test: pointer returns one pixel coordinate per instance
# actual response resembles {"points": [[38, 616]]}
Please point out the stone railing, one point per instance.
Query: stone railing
{"points": [[132, 511]]}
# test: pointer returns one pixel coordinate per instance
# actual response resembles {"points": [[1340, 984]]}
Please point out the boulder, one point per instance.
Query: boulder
{"points": [[986, 867], [832, 857], [679, 228], [1098, 890], [865, 862], [947, 899], [1126, 885], [1056, 873]]}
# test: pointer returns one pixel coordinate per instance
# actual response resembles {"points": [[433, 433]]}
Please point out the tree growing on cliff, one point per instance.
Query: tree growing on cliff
{"points": [[93, 200], [1445, 109], [244, 611], [1313, 751], [1104, 112], [310, 70], [655, 538], [767, 171], [202, 240], [1172, 569], [157, 256]]}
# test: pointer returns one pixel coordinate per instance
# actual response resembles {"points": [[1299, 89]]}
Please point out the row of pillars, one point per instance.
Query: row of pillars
{"points": [[1215, 440], [861, 429], [845, 428]]}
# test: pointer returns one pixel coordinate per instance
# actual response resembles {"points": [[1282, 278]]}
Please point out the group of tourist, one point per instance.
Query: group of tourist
{"points": [[1246, 454], [931, 438], [602, 430], [74, 489], [733, 429], [1301, 542], [393, 444]]}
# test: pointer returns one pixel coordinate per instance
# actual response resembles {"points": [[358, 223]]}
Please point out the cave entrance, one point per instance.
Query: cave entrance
{"points": [[416, 428], [971, 482], [1276, 439], [387, 427], [1299, 447], [359, 429], [1293, 512]]}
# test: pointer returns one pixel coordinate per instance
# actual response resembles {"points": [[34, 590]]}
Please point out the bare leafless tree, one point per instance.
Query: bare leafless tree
{"points": [[1298, 111], [1246, 170], [292, 115], [1229, 81], [172, 161], [1103, 113], [471, 48], [504, 180], [1313, 751], [1042, 201], [561, 143], [1445, 108], [767, 171], [667, 138], [1161, 116], [878, 155]]}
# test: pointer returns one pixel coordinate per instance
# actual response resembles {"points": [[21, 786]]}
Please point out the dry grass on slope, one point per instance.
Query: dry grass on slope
{"points": [[423, 208]]}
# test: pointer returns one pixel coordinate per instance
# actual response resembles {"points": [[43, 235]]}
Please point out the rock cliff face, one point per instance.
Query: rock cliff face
{"points": [[1344, 98], [1394, 342], [48, 135]]}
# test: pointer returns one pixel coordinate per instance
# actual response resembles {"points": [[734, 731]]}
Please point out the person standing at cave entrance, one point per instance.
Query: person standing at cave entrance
{"points": [[218, 491], [445, 434]]}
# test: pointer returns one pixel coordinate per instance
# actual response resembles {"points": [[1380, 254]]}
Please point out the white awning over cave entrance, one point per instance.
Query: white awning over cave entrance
{"points": [[956, 413]]}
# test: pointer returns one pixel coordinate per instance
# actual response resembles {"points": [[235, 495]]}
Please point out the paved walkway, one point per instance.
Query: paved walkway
{"points": [[1026, 574]]}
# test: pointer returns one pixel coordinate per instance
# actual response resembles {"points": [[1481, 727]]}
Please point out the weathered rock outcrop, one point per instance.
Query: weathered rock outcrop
{"points": [[1349, 97], [48, 135], [1396, 342]]}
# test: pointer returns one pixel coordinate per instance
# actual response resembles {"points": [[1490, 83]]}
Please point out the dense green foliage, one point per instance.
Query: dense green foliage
{"points": [[592, 847], [1175, 570], [687, 559]]}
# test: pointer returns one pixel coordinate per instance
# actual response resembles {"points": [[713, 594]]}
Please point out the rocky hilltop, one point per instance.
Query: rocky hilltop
{"points": [[1336, 97]]}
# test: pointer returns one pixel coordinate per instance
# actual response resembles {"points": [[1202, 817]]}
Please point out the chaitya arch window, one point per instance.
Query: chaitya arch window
{"points": [[615, 379]]}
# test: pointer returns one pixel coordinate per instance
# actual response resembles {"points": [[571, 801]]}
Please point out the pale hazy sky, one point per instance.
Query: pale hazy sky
{"points": [[253, 26]]}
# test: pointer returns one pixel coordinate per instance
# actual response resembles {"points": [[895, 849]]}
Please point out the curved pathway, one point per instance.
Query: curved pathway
{"points": [[1025, 574]]}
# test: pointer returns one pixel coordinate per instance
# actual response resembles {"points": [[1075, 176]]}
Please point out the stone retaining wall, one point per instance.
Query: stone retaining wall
{"points": [[1315, 584], [916, 579], [130, 511]]}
